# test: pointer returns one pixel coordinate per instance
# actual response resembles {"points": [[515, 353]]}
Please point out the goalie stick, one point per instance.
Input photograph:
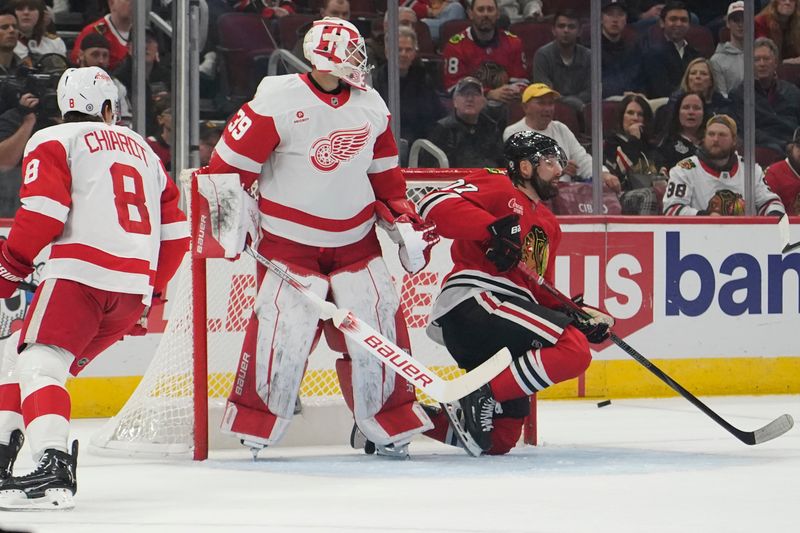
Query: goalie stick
{"points": [[784, 229], [389, 353], [774, 429]]}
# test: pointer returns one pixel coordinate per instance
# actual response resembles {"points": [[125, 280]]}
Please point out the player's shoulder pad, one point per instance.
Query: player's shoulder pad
{"points": [[457, 38], [275, 94], [687, 164]]}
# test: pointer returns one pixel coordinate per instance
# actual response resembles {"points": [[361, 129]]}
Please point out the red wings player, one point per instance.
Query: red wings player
{"points": [[320, 148], [487, 303], [101, 199]]}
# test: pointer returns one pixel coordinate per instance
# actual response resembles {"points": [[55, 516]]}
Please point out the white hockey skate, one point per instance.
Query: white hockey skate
{"points": [[359, 441]]}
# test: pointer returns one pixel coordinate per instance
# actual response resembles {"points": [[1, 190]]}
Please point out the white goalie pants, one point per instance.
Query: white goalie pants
{"points": [[285, 327]]}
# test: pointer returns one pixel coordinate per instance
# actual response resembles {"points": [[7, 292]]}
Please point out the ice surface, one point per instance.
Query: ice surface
{"points": [[643, 466]]}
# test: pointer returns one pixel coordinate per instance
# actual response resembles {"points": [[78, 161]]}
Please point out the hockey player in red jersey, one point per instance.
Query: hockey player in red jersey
{"points": [[320, 148], [488, 303], [100, 198], [783, 177]]}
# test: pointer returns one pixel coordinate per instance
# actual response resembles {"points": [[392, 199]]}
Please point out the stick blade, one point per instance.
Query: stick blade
{"points": [[773, 430], [474, 379]]}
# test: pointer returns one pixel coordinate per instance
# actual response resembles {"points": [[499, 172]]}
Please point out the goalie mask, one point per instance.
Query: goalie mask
{"points": [[334, 46], [538, 149], [86, 90]]}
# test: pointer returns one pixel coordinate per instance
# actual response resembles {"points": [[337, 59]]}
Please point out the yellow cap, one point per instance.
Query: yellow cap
{"points": [[535, 90]]}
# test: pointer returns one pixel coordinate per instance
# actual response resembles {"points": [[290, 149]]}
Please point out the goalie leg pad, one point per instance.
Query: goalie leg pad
{"points": [[42, 371], [383, 403], [273, 359]]}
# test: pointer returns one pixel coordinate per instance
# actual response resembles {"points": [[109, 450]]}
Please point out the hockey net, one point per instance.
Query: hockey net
{"points": [[176, 407]]}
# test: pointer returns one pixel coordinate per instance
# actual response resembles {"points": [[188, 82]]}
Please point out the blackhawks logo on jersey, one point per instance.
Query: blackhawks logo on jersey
{"points": [[726, 202], [536, 250], [687, 163], [339, 146]]}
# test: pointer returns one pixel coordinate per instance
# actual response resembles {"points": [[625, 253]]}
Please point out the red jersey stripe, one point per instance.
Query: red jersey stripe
{"points": [[272, 209]]}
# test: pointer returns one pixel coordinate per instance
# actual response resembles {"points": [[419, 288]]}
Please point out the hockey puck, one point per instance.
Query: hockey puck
{"points": [[603, 403]]}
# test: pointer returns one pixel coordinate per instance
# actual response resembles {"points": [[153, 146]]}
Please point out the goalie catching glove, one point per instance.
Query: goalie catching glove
{"points": [[505, 245], [593, 323], [414, 236], [12, 271]]}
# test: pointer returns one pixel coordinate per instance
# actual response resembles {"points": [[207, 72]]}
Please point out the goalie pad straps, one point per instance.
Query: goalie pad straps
{"points": [[279, 339], [383, 403], [227, 216]]}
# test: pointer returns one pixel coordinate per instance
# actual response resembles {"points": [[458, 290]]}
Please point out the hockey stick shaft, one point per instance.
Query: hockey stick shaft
{"points": [[785, 231], [386, 351], [774, 429]]}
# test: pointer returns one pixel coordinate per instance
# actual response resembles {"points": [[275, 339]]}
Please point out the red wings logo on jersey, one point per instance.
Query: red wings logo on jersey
{"points": [[338, 147]]}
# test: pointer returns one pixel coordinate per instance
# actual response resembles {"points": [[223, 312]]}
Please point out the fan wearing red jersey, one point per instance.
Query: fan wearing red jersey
{"points": [[100, 199], [321, 150], [487, 303]]}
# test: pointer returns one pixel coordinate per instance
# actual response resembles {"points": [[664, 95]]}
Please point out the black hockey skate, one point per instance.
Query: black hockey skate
{"points": [[8, 454], [359, 441], [471, 419], [50, 487]]}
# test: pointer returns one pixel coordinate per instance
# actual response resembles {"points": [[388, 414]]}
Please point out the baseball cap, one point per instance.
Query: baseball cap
{"points": [[94, 40], [735, 7], [535, 90], [608, 3], [725, 120], [466, 83]]}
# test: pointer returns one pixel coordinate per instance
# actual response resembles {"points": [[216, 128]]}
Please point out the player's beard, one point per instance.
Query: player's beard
{"points": [[546, 190]]}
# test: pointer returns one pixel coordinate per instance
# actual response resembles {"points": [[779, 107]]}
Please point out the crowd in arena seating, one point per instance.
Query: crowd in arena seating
{"points": [[472, 72]]}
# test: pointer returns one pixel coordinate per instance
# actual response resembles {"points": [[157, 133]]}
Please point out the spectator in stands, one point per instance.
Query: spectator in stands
{"points": [[629, 156], [517, 10], [539, 103], [621, 60], [9, 62], [468, 137], [376, 51], [483, 41], [776, 101], [330, 8], [161, 142], [210, 134], [434, 13], [665, 61], [727, 63], [563, 64], [783, 177], [684, 133], [780, 21], [95, 53], [699, 78], [420, 107], [115, 27], [34, 40], [712, 182], [644, 13]]}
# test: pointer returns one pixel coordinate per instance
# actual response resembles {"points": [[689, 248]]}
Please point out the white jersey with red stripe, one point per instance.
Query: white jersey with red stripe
{"points": [[695, 188], [321, 159], [102, 198]]}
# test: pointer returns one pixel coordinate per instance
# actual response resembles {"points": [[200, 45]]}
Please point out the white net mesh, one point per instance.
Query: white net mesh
{"points": [[159, 416]]}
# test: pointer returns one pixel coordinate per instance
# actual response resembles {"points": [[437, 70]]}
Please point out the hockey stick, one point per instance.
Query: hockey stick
{"points": [[774, 429], [389, 353], [784, 228]]}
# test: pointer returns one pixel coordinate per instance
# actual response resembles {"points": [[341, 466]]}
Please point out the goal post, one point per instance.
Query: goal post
{"points": [[177, 406]]}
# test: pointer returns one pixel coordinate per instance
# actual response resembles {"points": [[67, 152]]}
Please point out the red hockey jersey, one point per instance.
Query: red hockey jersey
{"points": [[463, 55], [117, 41], [320, 159], [462, 211], [101, 197], [785, 182]]}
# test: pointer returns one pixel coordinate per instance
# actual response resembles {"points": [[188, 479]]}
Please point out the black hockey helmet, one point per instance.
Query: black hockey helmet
{"points": [[532, 146]]}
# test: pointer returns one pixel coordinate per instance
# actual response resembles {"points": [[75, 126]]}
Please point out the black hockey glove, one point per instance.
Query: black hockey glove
{"points": [[592, 322], [505, 248]]}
